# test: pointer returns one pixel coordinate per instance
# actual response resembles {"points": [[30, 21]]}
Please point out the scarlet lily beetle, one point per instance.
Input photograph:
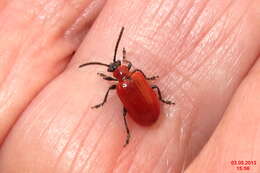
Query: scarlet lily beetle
{"points": [[137, 96]]}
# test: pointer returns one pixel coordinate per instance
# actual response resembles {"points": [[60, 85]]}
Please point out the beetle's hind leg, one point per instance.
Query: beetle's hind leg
{"points": [[126, 127], [112, 87], [160, 96], [105, 77], [152, 78]]}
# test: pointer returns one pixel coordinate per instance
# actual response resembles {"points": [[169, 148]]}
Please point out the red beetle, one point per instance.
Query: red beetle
{"points": [[137, 96]]}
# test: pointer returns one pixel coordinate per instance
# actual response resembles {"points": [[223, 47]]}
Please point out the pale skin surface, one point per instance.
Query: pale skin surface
{"points": [[205, 52]]}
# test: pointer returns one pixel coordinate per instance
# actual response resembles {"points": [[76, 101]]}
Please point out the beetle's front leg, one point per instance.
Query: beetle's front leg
{"points": [[112, 87], [105, 77]]}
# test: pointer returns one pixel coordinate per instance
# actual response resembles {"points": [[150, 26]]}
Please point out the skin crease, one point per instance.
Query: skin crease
{"points": [[206, 53]]}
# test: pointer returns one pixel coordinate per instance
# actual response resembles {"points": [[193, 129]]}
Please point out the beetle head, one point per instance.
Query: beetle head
{"points": [[113, 66]]}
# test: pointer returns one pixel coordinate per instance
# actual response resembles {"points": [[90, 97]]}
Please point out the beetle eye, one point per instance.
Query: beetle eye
{"points": [[113, 66]]}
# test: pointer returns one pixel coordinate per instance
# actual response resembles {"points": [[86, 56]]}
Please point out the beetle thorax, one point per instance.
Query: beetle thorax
{"points": [[121, 72]]}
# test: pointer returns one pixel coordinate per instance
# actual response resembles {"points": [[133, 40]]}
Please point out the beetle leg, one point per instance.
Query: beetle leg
{"points": [[105, 77], [160, 96], [147, 78], [126, 127], [112, 87]]}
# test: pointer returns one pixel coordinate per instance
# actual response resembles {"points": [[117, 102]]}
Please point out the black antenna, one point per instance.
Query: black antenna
{"points": [[93, 63], [117, 43]]}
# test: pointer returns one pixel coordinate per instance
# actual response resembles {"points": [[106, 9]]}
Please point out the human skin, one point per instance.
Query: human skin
{"points": [[206, 53]]}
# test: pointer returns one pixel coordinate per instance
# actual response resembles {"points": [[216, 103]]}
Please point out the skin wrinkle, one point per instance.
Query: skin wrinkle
{"points": [[146, 48], [190, 28], [190, 50], [223, 40], [181, 20], [143, 14], [164, 22], [219, 42], [82, 145], [164, 153], [63, 140], [97, 143], [137, 150], [57, 118], [225, 49], [123, 159], [161, 154], [54, 117], [184, 38], [186, 32], [69, 141], [189, 135], [161, 17], [141, 143], [132, 151], [31, 124], [40, 104], [232, 36], [230, 32], [227, 124], [154, 14], [150, 9], [48, 128], [68, 144], [126, 153], [133, 167]]}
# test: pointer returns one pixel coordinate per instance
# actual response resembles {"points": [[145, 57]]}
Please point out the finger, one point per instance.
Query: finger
{"points": [[234, 145], [186, 52], [37, 40]]}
